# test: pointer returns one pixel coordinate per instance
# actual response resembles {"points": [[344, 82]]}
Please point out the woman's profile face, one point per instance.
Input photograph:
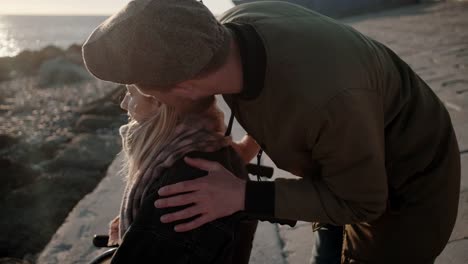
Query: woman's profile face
{"points": [[139, 106]]}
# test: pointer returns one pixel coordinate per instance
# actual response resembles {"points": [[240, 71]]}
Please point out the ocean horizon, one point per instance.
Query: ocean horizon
{"points": [[34, 32]]}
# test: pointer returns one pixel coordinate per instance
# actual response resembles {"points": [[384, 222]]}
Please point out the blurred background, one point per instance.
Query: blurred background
{"points": [[59, 125]]}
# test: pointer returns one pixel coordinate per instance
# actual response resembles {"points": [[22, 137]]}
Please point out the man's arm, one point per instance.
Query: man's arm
{"points": [[349, 146], [351, 183]]}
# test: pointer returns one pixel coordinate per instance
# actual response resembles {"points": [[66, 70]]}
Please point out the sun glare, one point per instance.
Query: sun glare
{"points": [[8, 44], [83, 7]]}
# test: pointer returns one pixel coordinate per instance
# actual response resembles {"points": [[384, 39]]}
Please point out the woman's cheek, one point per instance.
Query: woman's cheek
{"points": [[132, 109]]}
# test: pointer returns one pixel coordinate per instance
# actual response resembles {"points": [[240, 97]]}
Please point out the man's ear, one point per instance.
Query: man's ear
{"points": [[187, 89]]}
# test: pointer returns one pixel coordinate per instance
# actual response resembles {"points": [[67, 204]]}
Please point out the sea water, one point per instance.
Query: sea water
{"points": [[18, 33]]}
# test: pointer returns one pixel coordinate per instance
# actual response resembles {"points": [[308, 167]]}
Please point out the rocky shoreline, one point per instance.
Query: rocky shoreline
{"points": [[58, 134]]}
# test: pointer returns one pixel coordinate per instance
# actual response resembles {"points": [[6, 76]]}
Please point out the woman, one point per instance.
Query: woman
{"points": [[155, 142]]}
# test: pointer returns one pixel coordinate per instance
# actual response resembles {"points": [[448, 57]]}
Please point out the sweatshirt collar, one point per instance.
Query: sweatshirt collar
{"points": [[253, 59]]}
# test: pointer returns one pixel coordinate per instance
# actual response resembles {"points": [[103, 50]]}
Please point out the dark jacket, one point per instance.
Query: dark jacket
{"points": [[226, 240], [373, 145], [346, 113]]}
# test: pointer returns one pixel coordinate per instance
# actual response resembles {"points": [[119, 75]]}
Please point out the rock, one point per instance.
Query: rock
{"points": [[31, 152], [90, 123], [60, 71], [86, 151], [43, 172], [13, 261], [5, 69], [103, 113], [72, 242], [74, 48], [7, 141], [50, 52], [107, 108], [14, 175], [28, 62], [73, 54], [109, 104], [52, 144], [35, 211]]}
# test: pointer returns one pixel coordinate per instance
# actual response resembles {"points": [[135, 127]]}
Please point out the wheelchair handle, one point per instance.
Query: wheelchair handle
{"points": [[101, 241]]}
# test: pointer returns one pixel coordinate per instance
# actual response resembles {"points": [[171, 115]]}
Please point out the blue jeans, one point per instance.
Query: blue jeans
{"points": [[328, 245]]}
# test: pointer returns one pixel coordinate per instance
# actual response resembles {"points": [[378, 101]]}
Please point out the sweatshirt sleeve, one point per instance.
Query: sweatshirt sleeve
{"points": [[347, 143], [260, 198]]}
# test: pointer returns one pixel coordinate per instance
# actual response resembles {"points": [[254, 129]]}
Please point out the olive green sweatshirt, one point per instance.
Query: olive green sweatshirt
{"points": [[341, 111]]}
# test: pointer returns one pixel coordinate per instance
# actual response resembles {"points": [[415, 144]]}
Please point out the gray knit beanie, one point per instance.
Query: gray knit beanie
{"points": [[156, 42]]}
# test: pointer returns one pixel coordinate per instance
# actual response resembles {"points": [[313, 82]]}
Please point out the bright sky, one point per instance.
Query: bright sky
{"points": [[83, 7]]}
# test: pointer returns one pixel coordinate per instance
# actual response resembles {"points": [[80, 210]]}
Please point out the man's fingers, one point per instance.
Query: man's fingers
{"points": [[197, 222], [202, 164], [180, 187], [178, 200], [182, 214]]}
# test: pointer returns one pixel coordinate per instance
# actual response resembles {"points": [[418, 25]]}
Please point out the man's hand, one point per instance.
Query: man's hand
{"points": [[247, 148], [114, 232], [215, 195]]}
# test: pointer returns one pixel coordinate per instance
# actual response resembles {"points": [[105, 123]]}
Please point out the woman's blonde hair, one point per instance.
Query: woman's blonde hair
{"points": [[141, 141]]}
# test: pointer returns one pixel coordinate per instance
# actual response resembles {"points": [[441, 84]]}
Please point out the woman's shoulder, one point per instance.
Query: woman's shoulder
{"points": [[148, 235], [178, 172], [181, 171], [223, 155]]}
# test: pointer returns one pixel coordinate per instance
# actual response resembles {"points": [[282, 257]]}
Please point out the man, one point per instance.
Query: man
{"points": [[373, 145]]}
